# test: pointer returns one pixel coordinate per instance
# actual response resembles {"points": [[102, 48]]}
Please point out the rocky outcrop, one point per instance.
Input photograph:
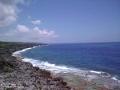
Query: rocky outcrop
{"points": [[18, 75]]}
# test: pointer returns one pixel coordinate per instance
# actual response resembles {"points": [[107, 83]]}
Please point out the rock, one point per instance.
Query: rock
{"points": [[18, 75]]}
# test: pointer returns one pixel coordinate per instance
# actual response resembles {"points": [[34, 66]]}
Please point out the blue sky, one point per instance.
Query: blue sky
{"points": [[60, 21]]}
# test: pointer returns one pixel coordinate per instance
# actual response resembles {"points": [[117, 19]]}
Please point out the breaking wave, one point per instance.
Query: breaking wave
{"points": [[58, 69]]}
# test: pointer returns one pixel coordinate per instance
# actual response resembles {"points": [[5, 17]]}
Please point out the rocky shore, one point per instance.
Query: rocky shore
{"points": [[18, 75]]}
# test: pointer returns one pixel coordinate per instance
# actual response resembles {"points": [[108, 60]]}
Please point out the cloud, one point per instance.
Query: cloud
{"points": [[36, 22], [22, 28], [9, 14], [23, 33], [44, 33], [8, 11]]}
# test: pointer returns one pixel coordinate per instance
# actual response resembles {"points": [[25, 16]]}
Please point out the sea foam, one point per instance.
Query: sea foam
{"points": [[58, 69]]}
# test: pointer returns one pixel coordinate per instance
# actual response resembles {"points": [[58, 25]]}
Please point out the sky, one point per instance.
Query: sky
{"points": [[60, 21]]}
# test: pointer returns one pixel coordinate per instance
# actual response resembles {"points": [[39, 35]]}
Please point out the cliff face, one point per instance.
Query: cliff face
{"points": [[18, 75]]}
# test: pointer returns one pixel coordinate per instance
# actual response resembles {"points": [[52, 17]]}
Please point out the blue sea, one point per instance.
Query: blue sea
{"points": [[60, 58]]}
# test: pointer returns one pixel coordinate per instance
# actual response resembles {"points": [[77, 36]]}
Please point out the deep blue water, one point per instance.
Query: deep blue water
{"points": [[93, 56]]}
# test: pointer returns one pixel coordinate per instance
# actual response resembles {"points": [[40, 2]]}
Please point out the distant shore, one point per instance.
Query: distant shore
{"points": [[18, 75], [15, 74]]}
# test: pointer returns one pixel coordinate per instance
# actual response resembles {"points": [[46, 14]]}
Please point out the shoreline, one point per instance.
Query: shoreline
{"points": [[16, 74], [24, 75], [76, 80]]}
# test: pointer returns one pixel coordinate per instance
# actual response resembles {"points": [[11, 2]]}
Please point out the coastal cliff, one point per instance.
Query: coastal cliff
{"points": [[18, 75]]}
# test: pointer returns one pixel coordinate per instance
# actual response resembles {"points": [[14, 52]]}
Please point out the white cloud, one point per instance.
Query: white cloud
{"points": [[36, 22], [25, 34], [8, 11], [8, 15], [22, 28], [45, 33]]}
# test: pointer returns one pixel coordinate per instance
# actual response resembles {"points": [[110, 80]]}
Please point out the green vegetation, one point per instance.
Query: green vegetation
{"points": [[6, 49]]}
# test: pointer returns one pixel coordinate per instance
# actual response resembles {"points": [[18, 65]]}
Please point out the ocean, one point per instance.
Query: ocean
{"points": [[97, 58]]}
